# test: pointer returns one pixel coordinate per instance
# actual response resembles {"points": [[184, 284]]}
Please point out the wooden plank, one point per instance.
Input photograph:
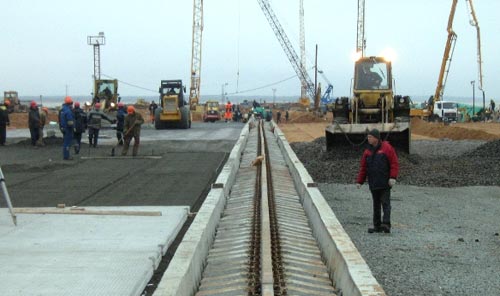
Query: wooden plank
{"points": [[83, 211]]}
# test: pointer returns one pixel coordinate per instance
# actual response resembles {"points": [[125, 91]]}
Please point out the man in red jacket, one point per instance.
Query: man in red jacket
{"points": [[380, 164]]}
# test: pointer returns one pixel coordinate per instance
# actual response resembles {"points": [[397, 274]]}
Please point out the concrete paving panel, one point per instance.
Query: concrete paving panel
{"points": [[84, 254]]}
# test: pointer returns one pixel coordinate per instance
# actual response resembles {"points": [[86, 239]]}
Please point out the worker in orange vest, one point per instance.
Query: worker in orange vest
{"points": [[229, 109]]}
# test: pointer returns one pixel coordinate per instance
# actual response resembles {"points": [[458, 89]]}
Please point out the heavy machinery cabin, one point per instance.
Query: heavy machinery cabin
{"points": [[373, 105], [173, 111], [106, 93]]}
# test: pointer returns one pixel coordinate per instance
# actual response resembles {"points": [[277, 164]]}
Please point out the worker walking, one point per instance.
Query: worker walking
{"points": [[287, 115], [379, 164], [132, 126], [94, 123], [44, 113], [67, 122], [120, 122], [4, 122], [278, 116], [34, 123], [80, 126]]}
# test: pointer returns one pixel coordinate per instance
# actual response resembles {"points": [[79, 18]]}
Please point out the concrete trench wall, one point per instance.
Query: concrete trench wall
{"points": [[184, 272], [347, 268]]}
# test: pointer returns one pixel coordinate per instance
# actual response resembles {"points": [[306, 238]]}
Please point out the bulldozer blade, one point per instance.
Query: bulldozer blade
{"points": [[354, 135]]}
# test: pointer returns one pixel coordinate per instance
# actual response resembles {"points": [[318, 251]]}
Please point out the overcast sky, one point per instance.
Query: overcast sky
{"points": [[44, 44]]}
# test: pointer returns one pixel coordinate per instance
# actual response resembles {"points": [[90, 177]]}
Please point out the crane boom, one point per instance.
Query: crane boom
{"points": [[302, 47], [475, 23], [194, 90], [360, 40], [447, 56], [287, 47]]}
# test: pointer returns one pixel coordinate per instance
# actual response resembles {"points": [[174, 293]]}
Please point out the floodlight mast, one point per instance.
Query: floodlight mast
{"points": [[96, 42]]}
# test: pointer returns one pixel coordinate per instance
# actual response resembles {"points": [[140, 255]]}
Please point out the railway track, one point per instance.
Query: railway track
{"points": [[266, 229], [263, 244]]}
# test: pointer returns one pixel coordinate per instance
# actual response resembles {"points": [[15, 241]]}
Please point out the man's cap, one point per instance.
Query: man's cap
{"points": [[374, 132]]}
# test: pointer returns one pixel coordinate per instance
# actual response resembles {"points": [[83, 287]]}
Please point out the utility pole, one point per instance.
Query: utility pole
{"points": [[96, 42], [66, 87], [223, 92], [473, 83]]}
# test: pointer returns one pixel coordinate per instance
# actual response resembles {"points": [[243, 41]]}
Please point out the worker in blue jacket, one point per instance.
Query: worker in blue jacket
{"points": [[67, 122]]}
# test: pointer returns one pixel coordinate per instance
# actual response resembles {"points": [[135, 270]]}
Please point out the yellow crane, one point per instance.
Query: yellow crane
{"points": [[194, 90], [448, 55]]}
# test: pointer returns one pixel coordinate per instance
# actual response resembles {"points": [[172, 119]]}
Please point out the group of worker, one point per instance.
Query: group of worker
{"points": [[73, 122]]}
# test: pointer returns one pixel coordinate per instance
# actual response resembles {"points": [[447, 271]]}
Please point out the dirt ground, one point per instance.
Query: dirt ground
{"points": [[308, 131]]}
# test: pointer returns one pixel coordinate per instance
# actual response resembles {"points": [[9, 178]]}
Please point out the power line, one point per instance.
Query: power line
{"points": [[265, 86], [130, 84]]}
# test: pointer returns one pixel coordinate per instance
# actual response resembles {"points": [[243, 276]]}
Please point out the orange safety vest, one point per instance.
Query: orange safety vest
{"points": [[228, 115]]}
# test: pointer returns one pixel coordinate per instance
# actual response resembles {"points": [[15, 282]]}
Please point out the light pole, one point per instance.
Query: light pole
{"points": [[473, 83], [274, 96], [96, 42], [223, 93]]}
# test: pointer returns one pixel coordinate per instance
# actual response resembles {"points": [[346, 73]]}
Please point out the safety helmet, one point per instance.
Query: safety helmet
{"points": [[68, 100], [97, 105], [130, 109], [33, 104], [6, 102], [77, 104], [121, 105]]}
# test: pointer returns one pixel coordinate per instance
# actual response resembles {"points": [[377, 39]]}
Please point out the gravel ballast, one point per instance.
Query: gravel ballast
{"points": [[444, 238]]}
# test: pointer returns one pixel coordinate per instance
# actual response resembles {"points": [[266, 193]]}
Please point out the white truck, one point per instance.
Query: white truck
{"points": [[445, 111]]}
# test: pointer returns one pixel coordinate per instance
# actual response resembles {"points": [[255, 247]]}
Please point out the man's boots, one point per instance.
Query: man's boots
{"points": [[374, 229]]}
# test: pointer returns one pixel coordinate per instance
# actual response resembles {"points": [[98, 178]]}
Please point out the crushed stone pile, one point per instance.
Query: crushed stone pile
{"points": [[464, 168]]}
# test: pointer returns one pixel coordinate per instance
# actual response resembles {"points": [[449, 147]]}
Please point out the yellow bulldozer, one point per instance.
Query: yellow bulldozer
{"points": [[172, 111], [373, 105]]}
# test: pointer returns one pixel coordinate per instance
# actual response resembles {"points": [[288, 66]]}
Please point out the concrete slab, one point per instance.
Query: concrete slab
{"points": [[57, 254]]}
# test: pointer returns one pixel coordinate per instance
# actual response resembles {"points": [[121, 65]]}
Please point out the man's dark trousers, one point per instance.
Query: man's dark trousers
{"points": [[381, 200]]}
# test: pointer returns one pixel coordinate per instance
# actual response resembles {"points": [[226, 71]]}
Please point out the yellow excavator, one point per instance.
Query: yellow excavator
{"points": [[373, 105]]}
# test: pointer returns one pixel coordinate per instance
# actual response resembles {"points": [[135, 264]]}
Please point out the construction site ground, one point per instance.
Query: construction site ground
{"points": [[445, 205], [445, 223]]}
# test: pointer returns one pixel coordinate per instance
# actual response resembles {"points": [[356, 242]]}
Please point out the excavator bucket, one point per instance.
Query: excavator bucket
{"points": [[354, 135]]}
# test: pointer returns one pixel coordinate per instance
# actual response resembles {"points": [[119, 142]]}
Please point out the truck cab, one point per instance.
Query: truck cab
{"points": [[211, 111], [445, 111]]}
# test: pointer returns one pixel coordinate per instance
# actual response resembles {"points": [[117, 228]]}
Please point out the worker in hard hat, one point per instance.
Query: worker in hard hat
{"points": [[133, 122], [67, 123], [44, 113], [120, 122], [34, 122], [229, 109], [80, 126], [4, 121], [94, 123]]}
